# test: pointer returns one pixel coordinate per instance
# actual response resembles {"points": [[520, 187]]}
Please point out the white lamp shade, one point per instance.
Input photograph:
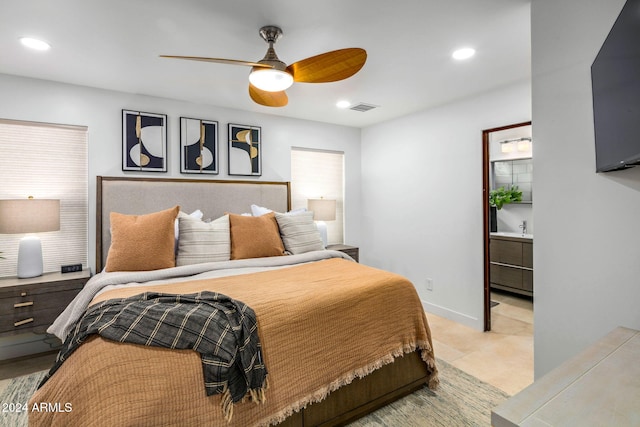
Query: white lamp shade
{"points": [[19, 216], [323, 209]]}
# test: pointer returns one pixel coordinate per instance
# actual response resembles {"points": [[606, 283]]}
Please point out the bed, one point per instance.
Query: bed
{"points": [[339, 339]]}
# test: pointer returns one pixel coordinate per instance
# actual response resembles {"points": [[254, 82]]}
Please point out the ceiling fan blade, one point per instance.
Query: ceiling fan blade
{"points": [[270, 99], [329, 67], [220, 60]]}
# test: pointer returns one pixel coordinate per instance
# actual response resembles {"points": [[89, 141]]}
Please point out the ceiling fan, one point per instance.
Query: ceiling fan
{"points": [[270, 76]]}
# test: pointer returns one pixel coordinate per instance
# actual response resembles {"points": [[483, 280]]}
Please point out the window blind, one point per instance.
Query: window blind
{"points": [[316, 174], [46, 161]]}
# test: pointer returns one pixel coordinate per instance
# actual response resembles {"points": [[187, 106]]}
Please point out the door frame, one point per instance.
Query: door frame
{"points": [[486, 170]]}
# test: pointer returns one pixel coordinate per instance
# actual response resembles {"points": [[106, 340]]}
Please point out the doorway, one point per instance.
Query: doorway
{"points": [[501, 147]]}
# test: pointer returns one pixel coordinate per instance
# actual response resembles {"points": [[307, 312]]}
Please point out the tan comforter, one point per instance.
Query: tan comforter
{"points": [[321, 325]]}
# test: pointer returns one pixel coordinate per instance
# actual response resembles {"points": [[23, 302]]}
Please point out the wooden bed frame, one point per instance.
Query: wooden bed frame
{"points": [[215, 197]]}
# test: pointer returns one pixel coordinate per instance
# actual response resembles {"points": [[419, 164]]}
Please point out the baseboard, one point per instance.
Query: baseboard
{"points": [[472, 322], [26, 345], [15, 360]]}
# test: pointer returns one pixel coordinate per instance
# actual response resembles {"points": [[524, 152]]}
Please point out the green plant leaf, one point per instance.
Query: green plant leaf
{"points": [[501, 196]]}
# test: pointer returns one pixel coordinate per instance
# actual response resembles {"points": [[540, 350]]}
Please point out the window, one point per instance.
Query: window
{"points": [[316, 174], [46, 161]]}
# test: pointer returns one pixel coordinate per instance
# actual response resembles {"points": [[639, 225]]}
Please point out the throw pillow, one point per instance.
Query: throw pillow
{"points": [[142, 242], [255, 237], [203, 241], [299, 233]]}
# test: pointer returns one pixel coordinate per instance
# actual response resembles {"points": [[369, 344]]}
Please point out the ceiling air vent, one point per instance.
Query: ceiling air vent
{"points": [[362, 107]]}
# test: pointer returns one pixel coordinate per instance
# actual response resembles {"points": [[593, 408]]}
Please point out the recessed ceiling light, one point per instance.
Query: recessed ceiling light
{"points": [[464, 53], [35, 43], [343, 104]]}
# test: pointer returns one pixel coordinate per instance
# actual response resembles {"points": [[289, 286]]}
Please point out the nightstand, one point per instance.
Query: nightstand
{"points": [[352, 251], [31, 305]]}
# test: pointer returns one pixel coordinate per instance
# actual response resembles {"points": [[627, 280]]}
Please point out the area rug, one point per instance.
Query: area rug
{"points": [[461, 400], [15, 396]]}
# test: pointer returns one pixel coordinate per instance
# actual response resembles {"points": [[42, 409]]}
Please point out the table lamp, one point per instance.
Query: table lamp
{"points": [[323, 210], [18, 216]]}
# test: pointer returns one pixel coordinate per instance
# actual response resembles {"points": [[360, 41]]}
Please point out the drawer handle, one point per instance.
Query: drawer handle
{"points": [[23, 294], [23, 322], [23, 304]]}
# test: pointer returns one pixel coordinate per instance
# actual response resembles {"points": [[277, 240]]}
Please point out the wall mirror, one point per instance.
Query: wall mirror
{"points": [[505, 173]]}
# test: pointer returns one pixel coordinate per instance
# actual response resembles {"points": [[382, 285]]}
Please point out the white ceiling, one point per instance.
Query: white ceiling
{"points": [[115, 44]]}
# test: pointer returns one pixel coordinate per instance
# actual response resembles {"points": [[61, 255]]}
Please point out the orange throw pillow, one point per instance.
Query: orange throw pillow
{"points": [[255, 236], [142, 242]]}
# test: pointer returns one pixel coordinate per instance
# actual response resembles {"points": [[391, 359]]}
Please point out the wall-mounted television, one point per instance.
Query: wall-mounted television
{"points": [[615, 80]]}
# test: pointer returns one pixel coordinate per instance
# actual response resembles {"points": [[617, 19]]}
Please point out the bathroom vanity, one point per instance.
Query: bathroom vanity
{"points": [[511, 262]]}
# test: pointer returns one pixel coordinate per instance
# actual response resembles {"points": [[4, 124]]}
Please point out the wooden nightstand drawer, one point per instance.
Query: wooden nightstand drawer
{"points": [[31, 305], [38, 310], [352, 251]]}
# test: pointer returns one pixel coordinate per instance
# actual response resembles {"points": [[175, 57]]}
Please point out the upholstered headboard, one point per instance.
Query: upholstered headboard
{"points": [[213, 197]]}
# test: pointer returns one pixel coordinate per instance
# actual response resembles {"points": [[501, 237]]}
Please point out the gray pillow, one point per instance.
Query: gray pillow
{"points": [[299, 233], [200, 241]]}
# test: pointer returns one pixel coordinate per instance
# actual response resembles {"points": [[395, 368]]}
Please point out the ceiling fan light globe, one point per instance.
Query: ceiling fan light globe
{"points": [[270, 80]]}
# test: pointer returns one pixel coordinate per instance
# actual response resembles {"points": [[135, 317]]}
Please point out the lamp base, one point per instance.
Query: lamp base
{"points": [[29, 257], [322, 228]]}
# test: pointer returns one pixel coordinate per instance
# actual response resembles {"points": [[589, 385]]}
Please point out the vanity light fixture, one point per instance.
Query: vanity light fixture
{"points": [[522, 144], [35, 44], [506, 147]]}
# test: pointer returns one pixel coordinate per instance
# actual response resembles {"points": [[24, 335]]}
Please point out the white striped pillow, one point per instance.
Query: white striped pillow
{"points": [[203, 241], [299, 233]]}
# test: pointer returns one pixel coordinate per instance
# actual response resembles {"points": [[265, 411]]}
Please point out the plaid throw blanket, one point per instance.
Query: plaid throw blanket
{"points": [[224, 331]]}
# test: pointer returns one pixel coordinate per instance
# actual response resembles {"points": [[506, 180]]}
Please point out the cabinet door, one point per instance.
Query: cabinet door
{"points": [[506, 251], [527, 280], [527, 255], [506, 276]]}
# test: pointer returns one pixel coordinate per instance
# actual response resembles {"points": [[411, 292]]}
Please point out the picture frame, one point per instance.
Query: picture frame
{"points": [[245, 150], [198, 146], [144, 141]]}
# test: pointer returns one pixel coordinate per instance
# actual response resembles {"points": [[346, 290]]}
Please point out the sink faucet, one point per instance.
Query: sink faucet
{"points": [[523, 226]]}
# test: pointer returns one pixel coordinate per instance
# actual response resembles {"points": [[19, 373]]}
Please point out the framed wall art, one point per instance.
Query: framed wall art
{"points": [[245, 150], [198, 146], [144, 141]]}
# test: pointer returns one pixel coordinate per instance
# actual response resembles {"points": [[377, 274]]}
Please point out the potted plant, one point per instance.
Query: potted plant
{"points": [[497, 199]]}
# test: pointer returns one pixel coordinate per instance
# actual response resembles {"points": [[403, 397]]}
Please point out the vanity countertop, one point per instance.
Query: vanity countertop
{"points": [[510, 235]]}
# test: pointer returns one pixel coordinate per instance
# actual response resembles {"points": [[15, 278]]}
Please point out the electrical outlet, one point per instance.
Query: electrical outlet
{"points": [[429, 283]]}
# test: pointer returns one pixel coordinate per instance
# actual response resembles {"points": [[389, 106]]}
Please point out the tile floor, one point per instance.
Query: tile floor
{"points": [[502, 357]]}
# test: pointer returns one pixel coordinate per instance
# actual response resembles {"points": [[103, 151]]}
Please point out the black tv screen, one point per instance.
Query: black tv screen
{"points": [[615, 79]]}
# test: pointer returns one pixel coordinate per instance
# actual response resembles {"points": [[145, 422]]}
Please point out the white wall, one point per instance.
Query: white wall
{"points": [[101, 110], [422, 197], [587, 251], [510, 217]]}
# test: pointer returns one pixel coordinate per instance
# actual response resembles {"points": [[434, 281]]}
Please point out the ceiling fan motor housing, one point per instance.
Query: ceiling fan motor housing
{"points": [[271, 34]]}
